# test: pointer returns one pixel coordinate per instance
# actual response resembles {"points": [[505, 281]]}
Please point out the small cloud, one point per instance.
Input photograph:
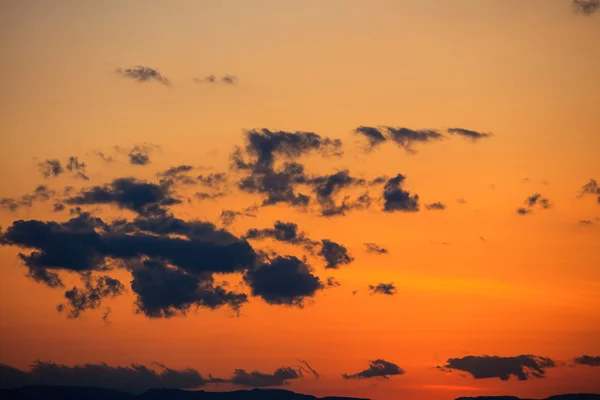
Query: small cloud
{"points": [[590, 188], [377, 369], [461, 201], [229, 79], [212, 79], [592, 361], [586, 222], [480, 367], [473, 135], [535, 200], [51, 168], [375, 248], [398, 199], [143, 74], [435, 206], [388, 289], [586, 7], [523, 211], [332, 282]]}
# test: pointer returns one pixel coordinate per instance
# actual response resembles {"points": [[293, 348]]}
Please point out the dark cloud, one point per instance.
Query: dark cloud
{"points": [[134, 378], [586, 222], [592, 361], [586, 7], [310, 369], [405, 137], [523, 366], [106, 316], [143, 74], [138, 154], [435, 206], [176, 176], [164, 292], [143, 197], [209, 196], [326, 187], [284, 281], [229, 79], [374, 135], [104, 157], [228, 216], [375, 248], [284, 232], [535, 200], [138, 158], [40, 193], [384, 288], [91, 295], [213, 180], [334, 254], [397, 199], [280, 377], [591, 188], [332, 282], [58, 207], [77, 167], [377, 369], [50, 168], [473, 135], [85, 243]]}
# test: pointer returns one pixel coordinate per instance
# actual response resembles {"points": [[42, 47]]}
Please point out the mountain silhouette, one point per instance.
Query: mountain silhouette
{"points": [[579, 396]]}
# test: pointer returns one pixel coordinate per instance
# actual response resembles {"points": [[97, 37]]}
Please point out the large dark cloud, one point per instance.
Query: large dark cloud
{"points": [[377, 369], [586, 7], [91, 295], [143, 74], [523, 366], [473, 135], [384, 288], [84, 244], [163, 291], [283, 280], [143, 197], [397, 199], [334, 254], [134, 378], [592, 361], [591, 188]]}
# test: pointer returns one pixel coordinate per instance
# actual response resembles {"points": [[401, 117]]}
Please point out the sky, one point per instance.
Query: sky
{"points": [[384, 199]]}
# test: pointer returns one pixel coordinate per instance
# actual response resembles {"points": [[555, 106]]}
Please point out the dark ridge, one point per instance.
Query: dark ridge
{"points": [[89, 393]]}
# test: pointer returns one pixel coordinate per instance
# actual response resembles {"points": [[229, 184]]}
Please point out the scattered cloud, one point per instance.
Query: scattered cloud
{"points": [[591, 188], [53, 168], [143, 74], [384, 288], [226, 79], [91, 295], [586, 7], [334, 254], [280, 377], [284, 232], [480, 367], [592, 361], [533, 201], [375, 248], [134, 378], [435, 206], [397, 199], [41, 193], [377, 369], [469, 134], [332, 282], [374, 136]]}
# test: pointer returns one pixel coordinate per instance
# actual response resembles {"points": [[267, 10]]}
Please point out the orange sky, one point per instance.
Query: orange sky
{"points": [[525, 71]]}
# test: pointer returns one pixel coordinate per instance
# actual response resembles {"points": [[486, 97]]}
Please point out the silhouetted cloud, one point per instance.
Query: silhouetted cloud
{"points": [[40, 193], [592, 361], [284, 232], [591, 188], [209, 196], [375, 248], [58, 207], [91, 295], [397, 199], [326, 187], [586, 7], [405, 137], [104, 157], [143, 74], [374, 136], [435, 206], [280, 377], [213, 180], [226, 79], [334, 254], [384, 288], [473, 135], [377, 369], [229, 79], [523, 366], [586, 222], [228, 216], [535, 200], [311, 369], [78, 167], [176, 176], [283, 280], [52, 167], [143, 197], [164, 292], [332, 282], [134, 378]]}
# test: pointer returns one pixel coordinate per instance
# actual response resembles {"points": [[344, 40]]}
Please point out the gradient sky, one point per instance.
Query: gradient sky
{"points": [[475, 279]]}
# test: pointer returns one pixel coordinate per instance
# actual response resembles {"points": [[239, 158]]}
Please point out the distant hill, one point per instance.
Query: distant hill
{"points": [[581, 396], [89, 393]]}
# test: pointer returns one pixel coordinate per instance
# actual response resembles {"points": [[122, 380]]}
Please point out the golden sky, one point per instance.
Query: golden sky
{"points": [[478, 278]]}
